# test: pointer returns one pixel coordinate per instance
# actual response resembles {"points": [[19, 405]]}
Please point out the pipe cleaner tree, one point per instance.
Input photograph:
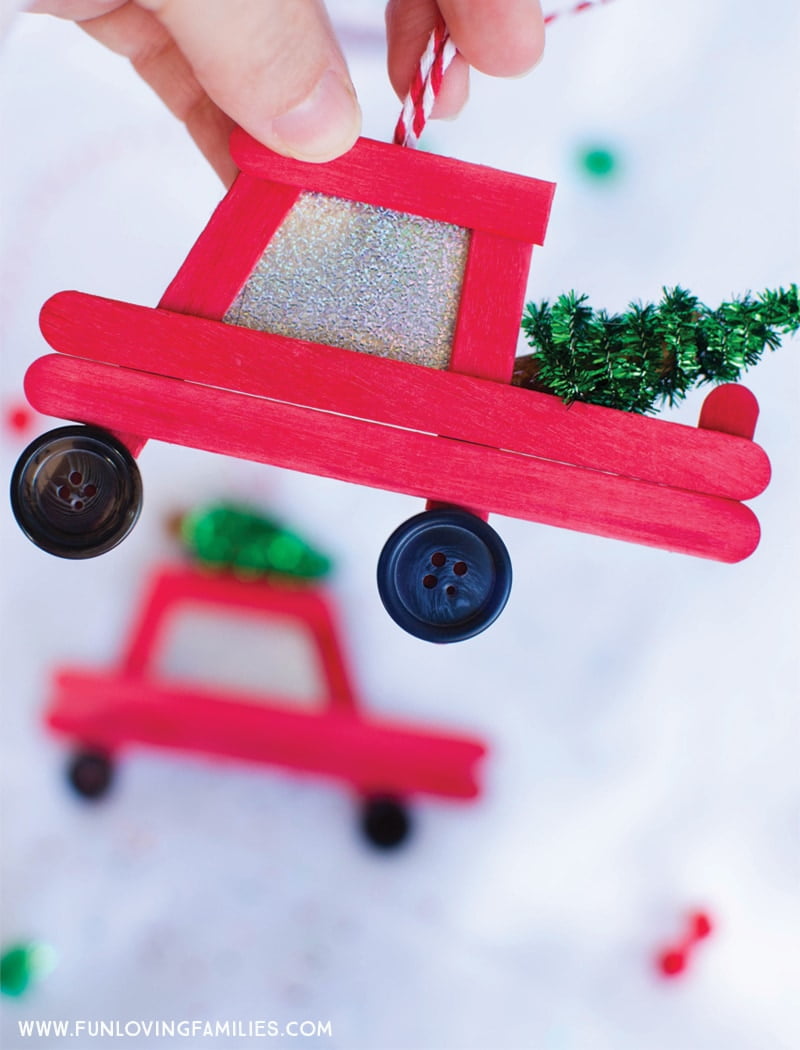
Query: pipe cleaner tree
{"points": [[653, 353]]}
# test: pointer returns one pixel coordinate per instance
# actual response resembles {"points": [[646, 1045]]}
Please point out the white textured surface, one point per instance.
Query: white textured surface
{"points": [[641, 707]]}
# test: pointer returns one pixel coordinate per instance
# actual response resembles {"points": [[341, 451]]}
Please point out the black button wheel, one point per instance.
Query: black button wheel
{"points": [[444, 575], [385, 821], [90, 773], [76, 492]]}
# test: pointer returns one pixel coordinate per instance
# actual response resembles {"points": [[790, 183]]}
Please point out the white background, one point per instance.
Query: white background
{"points": [[640, 707]]}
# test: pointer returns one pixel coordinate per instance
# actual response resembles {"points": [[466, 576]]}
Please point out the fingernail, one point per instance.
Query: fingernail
{"points": [[322, 126]]}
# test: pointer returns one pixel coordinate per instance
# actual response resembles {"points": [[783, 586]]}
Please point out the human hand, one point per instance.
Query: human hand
{"points": [[275, 67]]}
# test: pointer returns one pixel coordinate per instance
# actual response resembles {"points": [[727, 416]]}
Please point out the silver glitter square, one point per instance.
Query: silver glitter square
{"points": [[360, 277]]}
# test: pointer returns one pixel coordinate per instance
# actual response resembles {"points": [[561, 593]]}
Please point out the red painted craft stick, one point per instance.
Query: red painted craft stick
{"points": [[378, 173], [492, 300], [228, 248], [386, 457], [172, 587], [111, 711], [406, 395], [211, 275], [730, 409], [134, 703]]}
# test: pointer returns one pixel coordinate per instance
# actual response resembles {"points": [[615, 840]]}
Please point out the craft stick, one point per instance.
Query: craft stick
{"points": [[385, 457], [212, 274], [456, 406], [487, 326], [730, 409], [387, 176], [492, 300], [225, 253], [373, 755], [172, 587]]}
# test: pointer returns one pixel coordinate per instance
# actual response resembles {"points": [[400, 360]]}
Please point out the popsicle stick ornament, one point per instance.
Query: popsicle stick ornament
{"points": [[359, 320]]}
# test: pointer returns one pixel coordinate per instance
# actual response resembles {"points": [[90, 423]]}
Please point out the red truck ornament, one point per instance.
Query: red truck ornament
{"points": [[359, 320], [136, 702]]}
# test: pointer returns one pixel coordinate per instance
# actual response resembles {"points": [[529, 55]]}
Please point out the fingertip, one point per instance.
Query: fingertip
{"points": [[501, 38], [408, 27], [323, 126], [517, 57], [275, 68], [522, 55]]}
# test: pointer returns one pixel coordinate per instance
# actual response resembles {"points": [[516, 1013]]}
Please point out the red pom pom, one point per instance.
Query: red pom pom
{"points": [[672, 962], [701, 925], [19, 418]]}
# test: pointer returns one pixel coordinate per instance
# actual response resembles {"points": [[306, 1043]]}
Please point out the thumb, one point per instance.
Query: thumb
{"points": [[273, 67]]}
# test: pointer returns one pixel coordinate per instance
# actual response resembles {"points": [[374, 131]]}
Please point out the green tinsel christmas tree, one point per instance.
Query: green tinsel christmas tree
{"points": [[240, 538], [652, 354]]}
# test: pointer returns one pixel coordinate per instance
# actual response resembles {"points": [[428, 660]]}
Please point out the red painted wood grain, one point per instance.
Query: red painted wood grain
{"points": [[730, 409], [492, 300], [310, 608], [229, 247], [112, 711], [412, 181], [386, 457], [406, 395]]}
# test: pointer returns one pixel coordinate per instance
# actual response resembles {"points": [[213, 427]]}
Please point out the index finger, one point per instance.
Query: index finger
{"points": [[498, 37], [504, 38]]}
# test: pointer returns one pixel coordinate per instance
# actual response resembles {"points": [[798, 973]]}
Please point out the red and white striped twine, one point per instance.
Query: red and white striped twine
{"points": [[576, 9], [427, 81], [421, 96]]}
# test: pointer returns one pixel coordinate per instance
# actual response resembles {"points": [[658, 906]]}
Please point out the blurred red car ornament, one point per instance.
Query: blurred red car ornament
{"points": [[385, 762]]}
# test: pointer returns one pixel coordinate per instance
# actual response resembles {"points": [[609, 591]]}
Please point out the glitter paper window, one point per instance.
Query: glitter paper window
{"points": [[360, 277]]}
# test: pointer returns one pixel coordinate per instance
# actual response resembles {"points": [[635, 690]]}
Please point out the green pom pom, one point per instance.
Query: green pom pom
{"points": [[598, 162], [21, 964]]}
